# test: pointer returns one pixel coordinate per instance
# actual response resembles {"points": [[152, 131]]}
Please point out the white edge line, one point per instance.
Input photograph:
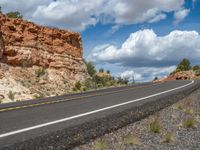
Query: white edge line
{"points": [[89, 113]]}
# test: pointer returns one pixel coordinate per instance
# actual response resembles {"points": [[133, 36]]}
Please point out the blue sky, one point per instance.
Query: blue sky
{"points": [[99, 34], [130, 38]]}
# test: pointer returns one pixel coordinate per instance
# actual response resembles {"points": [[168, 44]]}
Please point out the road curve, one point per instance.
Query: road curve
{"points": [[32, 119]]}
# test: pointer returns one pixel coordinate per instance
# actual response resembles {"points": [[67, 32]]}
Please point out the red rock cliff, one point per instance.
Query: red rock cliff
{"points": [[25, 43], [25, 47]]}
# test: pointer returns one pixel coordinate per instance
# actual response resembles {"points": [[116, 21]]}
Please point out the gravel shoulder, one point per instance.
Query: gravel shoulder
{"points": [[177, 127]]}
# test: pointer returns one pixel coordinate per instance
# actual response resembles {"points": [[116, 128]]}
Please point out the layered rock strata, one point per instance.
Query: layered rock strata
{"points": [[45, 61]]}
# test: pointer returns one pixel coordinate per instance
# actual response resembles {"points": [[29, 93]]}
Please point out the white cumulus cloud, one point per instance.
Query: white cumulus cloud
{"points": [[131, 75], [146, 73], [149, 73], [180, 15], [80, 14], [145, 48], [68, 14]]}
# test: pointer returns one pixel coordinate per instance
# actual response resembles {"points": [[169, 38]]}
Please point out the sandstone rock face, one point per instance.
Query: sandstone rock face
{"points": [[26, 47], [37, 45]]}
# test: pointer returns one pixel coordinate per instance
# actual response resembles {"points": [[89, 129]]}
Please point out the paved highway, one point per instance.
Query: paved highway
{"points": [[27, 120]]}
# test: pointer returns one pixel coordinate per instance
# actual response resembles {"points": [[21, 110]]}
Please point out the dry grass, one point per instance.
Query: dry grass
{"points": [[198, 111], [189, 123], [100, 145], [178, 106], [189, 111], [130, 140], [155, 125], [169, 137]]}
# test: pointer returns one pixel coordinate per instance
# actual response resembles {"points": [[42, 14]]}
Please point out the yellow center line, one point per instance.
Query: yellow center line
{"points": [[73, 98]]}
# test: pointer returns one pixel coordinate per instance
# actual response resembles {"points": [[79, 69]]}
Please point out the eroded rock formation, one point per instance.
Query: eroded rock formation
{"points": [[27, 49], [182, 75]]}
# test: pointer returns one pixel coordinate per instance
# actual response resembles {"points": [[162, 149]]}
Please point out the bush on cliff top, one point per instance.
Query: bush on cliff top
{"points": [[195, 68], [14, 14], [184, 65]]}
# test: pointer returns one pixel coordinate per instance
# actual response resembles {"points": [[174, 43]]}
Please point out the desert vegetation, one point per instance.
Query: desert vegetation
{"points": [[99, 79], [169, 137], [12, 14], [40, 72], [100, 145], [185, 65], [130, 140], [189, 122], [155, 125], [11, 95]]}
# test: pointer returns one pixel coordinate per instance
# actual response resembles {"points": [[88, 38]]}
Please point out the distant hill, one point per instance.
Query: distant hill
{"points": [[184, 71]]}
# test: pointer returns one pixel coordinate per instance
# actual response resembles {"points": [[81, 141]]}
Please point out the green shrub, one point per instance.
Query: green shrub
{"points": [[101, 70], [77, 86], [36, 96], [108, 71], [169, 137], [84, 89], [11, 95], [113, 83], [155, 79], [121, 80], [184, 65], [40, 72], [195, 68], [155, 126], [197, 72], [14, 14], [189, 123], [100, 80], [90, 68], [89, 84], [1, 98]]}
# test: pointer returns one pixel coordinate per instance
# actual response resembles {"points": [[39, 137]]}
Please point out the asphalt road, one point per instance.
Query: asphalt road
{"points": [[27, 120]]}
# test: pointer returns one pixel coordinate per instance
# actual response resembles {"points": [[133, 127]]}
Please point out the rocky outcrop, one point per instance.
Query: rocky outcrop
{"points": [[182, 75], [26, 48], [38, 45]]}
